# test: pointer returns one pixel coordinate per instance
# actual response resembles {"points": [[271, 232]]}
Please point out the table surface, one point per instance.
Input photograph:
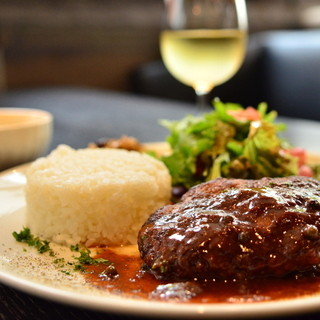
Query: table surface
{"points": [[84, 115]]}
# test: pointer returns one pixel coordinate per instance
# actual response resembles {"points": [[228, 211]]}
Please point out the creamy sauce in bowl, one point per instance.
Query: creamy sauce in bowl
{"points": [[12, 118]]}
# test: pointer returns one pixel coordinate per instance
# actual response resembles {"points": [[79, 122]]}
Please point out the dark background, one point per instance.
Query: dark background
{"points": [[99, 43]]}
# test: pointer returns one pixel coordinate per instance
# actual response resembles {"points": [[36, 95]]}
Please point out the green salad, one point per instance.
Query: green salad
{"points": [[230, 141]]}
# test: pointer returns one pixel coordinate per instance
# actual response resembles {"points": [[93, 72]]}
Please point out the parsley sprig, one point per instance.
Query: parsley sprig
{"points": [[27, 237], [84, 259]]}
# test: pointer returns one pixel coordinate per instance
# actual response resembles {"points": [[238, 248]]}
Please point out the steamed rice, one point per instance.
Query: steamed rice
{"points": [[94, 196]]}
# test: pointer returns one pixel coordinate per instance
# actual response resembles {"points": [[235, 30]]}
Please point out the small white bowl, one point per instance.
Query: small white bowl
{"points": [[25, 134]]}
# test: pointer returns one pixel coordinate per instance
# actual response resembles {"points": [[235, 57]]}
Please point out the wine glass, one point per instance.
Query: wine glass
{"points": [[203, 42]]}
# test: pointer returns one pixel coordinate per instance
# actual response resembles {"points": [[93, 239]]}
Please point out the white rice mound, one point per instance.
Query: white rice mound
{"points": [[94, 196]]}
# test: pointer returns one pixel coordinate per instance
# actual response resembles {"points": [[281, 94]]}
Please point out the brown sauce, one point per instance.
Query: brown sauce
{"points": [[134, 282]]}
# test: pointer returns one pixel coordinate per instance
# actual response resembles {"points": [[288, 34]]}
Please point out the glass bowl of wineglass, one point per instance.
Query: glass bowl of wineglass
{"points": [[203, 42]]}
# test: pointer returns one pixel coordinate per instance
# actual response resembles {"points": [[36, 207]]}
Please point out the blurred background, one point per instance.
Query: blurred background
{"points": [[112, 44]]}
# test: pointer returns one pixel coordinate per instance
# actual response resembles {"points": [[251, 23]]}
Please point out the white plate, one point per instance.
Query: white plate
{"points": [[23, 268]]}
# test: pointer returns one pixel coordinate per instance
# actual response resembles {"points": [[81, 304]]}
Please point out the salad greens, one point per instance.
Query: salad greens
{"points": [[230, 141]]}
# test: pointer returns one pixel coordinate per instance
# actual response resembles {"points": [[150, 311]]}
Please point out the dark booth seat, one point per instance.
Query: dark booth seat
{"points": [[281, 68]]}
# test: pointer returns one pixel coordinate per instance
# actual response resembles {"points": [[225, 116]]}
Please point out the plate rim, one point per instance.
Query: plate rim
{"points": [[137, 307]]}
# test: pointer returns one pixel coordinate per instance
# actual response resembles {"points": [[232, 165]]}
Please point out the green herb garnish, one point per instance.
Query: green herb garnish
{"points": [[86, 259], [25, 236]]}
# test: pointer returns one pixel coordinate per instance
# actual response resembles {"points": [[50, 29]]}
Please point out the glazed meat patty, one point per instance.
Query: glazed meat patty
{"points": [[233, 228]]}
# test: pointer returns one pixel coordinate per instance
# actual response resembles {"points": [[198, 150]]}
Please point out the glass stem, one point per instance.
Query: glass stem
{"points": [[202, 102]]}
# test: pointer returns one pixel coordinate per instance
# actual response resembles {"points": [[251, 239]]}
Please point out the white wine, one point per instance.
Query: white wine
{"points": [[203, 58]]}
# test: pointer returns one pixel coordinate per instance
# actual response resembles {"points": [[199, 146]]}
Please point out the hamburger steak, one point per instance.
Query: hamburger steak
{"points": [[234, 228]]}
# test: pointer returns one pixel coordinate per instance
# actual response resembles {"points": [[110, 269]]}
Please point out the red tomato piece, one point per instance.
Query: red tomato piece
{"points": [[248, 114]]}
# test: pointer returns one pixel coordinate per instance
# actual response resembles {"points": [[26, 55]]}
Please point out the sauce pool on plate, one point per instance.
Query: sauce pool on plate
{"points": [[132, 281]]}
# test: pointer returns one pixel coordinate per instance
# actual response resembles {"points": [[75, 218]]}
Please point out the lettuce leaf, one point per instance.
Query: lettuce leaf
{"points": [[230, 141]]}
